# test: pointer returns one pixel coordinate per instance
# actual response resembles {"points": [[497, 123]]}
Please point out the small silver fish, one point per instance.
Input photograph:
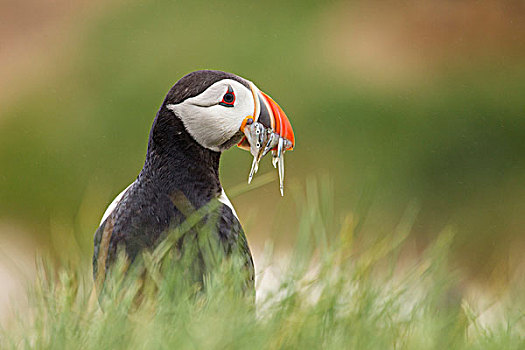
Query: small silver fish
{"points": [[262, 140]]}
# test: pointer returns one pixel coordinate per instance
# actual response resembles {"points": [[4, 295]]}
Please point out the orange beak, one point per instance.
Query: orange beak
{"points": [[271, 115]]}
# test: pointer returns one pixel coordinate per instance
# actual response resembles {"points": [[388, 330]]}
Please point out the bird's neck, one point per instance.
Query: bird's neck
{"points": [[176, 163]]}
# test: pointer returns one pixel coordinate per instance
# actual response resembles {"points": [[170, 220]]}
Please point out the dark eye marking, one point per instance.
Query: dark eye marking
{"points": [[229, 98]]}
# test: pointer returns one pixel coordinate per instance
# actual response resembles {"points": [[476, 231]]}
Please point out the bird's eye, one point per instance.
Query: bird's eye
{"points": [[228, 99]]}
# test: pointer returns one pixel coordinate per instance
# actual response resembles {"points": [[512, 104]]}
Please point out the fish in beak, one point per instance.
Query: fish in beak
{"points": [[268, 129]]}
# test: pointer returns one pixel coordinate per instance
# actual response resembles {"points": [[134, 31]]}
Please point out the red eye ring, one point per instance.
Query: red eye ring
{"points": [[229, 98]]}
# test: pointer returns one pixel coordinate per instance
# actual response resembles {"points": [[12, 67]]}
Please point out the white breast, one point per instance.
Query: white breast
{"points": [[226, 201], [113, 204]]}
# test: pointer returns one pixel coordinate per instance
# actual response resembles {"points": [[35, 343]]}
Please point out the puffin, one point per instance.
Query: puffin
{"points": [[205, 113]]}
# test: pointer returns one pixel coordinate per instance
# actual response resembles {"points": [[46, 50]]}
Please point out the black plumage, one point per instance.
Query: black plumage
{"points": [[178, 173]]}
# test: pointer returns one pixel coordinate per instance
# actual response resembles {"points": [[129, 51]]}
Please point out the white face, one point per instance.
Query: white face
{"points": [[211, 118]]}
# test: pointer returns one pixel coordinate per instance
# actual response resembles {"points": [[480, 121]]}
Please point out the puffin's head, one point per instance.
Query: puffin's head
{"points": [[215, 107]]}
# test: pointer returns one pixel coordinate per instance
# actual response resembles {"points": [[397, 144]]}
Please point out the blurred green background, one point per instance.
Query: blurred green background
{"points": [[397, 102]]}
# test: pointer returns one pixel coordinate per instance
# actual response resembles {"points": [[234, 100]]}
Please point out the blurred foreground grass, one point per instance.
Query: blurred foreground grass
{"points": [[328, 295]]}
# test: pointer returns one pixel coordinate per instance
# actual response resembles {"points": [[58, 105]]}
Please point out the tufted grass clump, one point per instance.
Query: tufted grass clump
{"points": [[331, 292]]}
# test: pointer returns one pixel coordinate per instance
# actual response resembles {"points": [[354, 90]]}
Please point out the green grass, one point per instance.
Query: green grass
{"points": [[336, 291]]}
